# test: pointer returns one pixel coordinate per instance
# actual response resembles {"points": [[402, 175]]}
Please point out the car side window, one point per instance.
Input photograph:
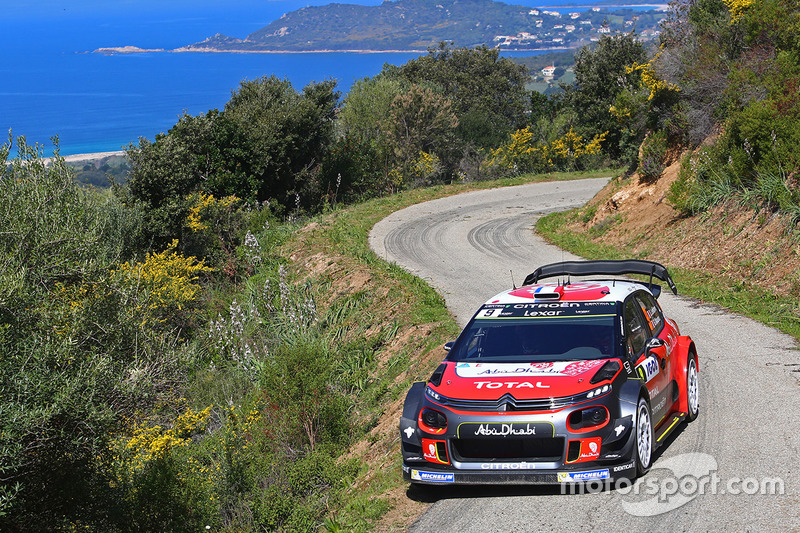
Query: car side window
{"points": [[651, 311], [635, 331]]}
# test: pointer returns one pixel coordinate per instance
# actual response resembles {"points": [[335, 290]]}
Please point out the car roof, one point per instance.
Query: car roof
{"points": [[578, 291]]}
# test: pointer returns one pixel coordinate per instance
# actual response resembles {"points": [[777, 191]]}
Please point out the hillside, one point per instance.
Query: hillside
{"points": [[418, 24]]}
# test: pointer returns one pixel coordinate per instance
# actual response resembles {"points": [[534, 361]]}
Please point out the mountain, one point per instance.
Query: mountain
{"points": [[418, 24]]}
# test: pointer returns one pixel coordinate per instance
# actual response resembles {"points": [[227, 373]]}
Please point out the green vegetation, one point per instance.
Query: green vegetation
{"points": [[178, 353], [150, 390], [726, 66], [778, 311]]}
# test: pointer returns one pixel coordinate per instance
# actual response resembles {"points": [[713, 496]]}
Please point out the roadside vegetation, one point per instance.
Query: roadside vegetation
{"points": [[213, 345]]}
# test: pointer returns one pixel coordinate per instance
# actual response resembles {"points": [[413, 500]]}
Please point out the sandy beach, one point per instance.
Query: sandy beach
{"points": [[91, 157]]}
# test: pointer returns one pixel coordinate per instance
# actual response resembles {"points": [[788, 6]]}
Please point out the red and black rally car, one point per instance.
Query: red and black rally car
{"points": [[555, 383]]}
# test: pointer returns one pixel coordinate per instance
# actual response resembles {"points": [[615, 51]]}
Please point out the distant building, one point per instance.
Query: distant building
{"points": [[548, 72], [596, 9], [552, 13], [573, 16], [534, 12]]}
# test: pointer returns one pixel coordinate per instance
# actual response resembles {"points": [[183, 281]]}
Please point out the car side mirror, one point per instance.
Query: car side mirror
{"points": [[448, 346], [658, 348]]}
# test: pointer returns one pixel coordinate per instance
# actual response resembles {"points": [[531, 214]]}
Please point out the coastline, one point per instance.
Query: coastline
{"points": [[188, 50], [79, 158]]}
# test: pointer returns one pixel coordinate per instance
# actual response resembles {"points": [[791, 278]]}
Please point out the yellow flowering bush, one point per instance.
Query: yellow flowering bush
{"points": [[152, 443], [426, 167], [205, 206], [524, 154], [162, 284], [737, 8], [650, 79]]}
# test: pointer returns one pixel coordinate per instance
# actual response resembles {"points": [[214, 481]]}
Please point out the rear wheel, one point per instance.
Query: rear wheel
{"points": [[692, 388], [644, 437]]}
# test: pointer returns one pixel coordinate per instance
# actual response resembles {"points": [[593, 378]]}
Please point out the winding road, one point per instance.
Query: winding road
{"points": [[735, 468]]}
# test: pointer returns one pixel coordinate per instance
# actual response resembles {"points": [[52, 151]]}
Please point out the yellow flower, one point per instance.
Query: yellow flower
{"points": [[164, 281], [650, 79], [203, 203], [737, 8]]}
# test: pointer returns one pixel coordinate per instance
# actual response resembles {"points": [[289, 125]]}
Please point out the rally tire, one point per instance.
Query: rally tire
{"points": [[692, 388], [644, 437]]}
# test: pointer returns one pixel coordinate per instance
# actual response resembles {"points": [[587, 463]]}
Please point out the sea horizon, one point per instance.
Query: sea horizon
{"points": [[94, 102]]}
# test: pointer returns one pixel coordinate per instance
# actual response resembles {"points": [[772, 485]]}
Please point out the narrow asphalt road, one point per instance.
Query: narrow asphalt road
{"points": [[734, 468]]}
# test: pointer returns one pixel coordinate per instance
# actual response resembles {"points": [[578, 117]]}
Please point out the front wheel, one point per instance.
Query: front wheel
{"points": [[644, 437], [692, 388]]}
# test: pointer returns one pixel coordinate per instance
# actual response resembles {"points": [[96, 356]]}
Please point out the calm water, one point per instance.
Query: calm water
{"points": [[50, 86]]}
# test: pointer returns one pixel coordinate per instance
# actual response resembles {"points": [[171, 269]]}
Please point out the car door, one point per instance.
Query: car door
{"points": [[651, 365]]}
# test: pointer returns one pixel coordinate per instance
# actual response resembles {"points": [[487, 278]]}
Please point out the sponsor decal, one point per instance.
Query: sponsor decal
{"points": [[583, 476], [545, 309], [660, 404], [589, 449], [504, 430], [435, 477], [579, 367], [619, 429], [620, 468], [497, 429], [430, 451], [648, 369], [508, 466], [627, 366], [670, 340], [560, 368], [408, 431], [511, 385]]}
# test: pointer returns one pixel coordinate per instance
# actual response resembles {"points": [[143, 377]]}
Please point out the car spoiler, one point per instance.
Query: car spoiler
{"points": [[606, 267]]}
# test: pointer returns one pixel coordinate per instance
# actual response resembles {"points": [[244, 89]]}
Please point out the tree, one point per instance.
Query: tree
{"points": [[266, 144], [286, 132], [600, 75], [420, 123], [487, 91], [357, 164]]}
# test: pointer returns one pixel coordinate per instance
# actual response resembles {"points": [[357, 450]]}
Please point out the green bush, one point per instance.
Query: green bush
{"points": [[651, 160]]}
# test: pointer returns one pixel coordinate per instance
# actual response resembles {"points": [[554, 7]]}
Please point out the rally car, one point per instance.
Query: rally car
{"points": [[561, 382]]}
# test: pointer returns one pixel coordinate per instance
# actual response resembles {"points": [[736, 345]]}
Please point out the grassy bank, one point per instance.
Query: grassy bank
{"points": [[332, 253], [775, 310]]}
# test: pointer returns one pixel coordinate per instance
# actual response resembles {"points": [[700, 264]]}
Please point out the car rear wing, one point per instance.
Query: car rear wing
{"points": [[607, 268]]}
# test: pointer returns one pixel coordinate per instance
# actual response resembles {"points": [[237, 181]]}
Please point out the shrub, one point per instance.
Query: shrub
{"points": [[653, 152]]}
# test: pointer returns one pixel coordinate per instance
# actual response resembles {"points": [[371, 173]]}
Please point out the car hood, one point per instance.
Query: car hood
{"points": [[524, 381]]}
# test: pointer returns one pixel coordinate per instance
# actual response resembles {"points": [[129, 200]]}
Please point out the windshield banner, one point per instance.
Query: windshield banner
{"points": [[503, 370]]}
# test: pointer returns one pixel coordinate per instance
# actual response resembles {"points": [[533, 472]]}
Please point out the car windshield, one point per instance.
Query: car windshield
{"points": [[539, 332]]}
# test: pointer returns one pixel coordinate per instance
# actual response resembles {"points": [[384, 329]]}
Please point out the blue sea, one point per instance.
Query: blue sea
{"points": [[51, 85]]}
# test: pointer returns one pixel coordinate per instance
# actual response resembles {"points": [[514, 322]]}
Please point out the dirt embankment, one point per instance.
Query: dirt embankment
{"points": [[387, 302], [754, 247]]}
